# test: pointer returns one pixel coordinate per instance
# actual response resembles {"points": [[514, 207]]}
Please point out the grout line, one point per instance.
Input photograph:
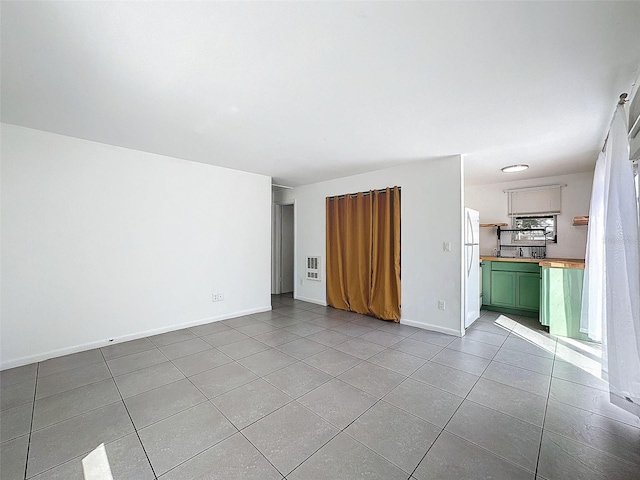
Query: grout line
{"points": [[33, 409], [591, 412], [518, 388], [113, 344], [544, 416], [69, 370], [603, 452], [581, 384], [466, 353], [487, 451], [231, 360], [299, 396], [80, 386], [223, 365], [132, 423], [79, 414], [141, 368], [289, 401], [502, 413], [199, 453]]}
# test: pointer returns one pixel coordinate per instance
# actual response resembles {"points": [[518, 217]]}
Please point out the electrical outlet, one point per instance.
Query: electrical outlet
{"points": [[441, 305], [214, 297], [220, 296], [302, 281], [446, 246]]}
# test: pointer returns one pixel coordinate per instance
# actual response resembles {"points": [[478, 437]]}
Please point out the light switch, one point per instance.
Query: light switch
{"points": [[446, 246]]}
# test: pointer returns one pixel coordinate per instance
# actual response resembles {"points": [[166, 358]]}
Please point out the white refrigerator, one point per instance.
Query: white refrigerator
{"points": [[472, 266]]}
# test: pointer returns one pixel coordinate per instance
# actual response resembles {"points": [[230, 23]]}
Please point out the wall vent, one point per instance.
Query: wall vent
{"points": [[313, 268]]}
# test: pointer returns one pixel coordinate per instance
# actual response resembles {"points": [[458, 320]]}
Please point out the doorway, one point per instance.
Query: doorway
{"points": [[283, 250], [286, 250]]}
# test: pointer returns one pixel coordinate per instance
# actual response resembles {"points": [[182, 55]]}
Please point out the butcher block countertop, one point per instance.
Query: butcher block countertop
{"points": [[562, 262], [543, 262]]}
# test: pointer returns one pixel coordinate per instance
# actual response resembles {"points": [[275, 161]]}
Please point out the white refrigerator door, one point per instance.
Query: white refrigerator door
{"points": [[472, 284]]}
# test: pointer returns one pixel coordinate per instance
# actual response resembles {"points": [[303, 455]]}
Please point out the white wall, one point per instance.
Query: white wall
{"points": [[491, 201], [102, 242], [431, 214]]}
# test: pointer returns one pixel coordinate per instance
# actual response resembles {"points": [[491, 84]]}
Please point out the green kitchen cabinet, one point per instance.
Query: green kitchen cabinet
{"points": [[561, 301], [511, 287]]}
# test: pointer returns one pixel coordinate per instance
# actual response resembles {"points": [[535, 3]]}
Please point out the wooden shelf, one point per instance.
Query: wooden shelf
{"points": [[578, 221], [493, 225]]}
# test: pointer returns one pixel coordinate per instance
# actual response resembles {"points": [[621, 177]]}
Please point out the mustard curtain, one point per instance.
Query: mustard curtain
{"points": [[363, 253], [384, 299]]}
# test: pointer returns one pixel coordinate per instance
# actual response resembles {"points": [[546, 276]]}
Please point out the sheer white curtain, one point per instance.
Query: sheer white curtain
{"points": [[611, 298], [593, 300]]}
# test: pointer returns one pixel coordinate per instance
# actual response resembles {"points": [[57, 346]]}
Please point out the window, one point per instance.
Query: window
{"points": [[547, 222]]}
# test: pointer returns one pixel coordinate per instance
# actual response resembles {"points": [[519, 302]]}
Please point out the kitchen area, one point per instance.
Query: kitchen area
{"points": [[549, 289], [532, 240]]}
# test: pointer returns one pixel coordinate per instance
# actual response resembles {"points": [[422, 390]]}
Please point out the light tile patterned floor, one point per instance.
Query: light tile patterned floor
{"points": [[309, 392]]}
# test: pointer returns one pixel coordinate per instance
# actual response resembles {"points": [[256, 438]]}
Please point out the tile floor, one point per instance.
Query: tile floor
{"points": [[308, 392]]}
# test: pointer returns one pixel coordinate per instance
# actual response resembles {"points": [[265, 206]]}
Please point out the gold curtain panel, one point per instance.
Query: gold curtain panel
{"points": [[363, 253]]}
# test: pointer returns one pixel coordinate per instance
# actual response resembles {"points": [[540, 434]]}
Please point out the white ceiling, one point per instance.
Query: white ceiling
{"points": [[306, 91]]}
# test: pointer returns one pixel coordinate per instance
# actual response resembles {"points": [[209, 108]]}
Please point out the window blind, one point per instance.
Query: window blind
{"points": [[535, 201]]}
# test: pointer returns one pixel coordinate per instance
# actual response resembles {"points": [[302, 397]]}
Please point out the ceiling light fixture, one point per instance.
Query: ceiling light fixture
{"points": [[515, 168]]}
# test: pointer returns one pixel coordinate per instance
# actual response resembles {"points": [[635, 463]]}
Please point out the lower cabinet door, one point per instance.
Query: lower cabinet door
{"points": [[528, 291], [503, 288]]}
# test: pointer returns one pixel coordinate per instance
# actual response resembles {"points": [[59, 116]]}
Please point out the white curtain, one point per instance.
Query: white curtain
{"points": [[593, 300], [611, 294]]}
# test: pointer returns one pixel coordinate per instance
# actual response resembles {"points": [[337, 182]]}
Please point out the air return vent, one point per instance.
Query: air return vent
{"points": [[313, 268]]}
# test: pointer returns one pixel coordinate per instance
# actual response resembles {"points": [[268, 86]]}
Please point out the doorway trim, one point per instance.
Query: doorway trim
{"points": [[276, 247]]}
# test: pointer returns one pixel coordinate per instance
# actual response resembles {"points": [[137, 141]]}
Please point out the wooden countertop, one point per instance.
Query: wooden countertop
{"points": [[562, 262], [543, 262]]}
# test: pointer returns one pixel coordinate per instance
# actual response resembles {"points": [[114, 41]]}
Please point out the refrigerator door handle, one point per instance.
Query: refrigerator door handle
{"points": [[470, 263], [470, 229]]}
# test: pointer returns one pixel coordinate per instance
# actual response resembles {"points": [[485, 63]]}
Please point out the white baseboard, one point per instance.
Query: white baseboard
{"points": [[428, 326], [40, 357], [311, 300]]}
